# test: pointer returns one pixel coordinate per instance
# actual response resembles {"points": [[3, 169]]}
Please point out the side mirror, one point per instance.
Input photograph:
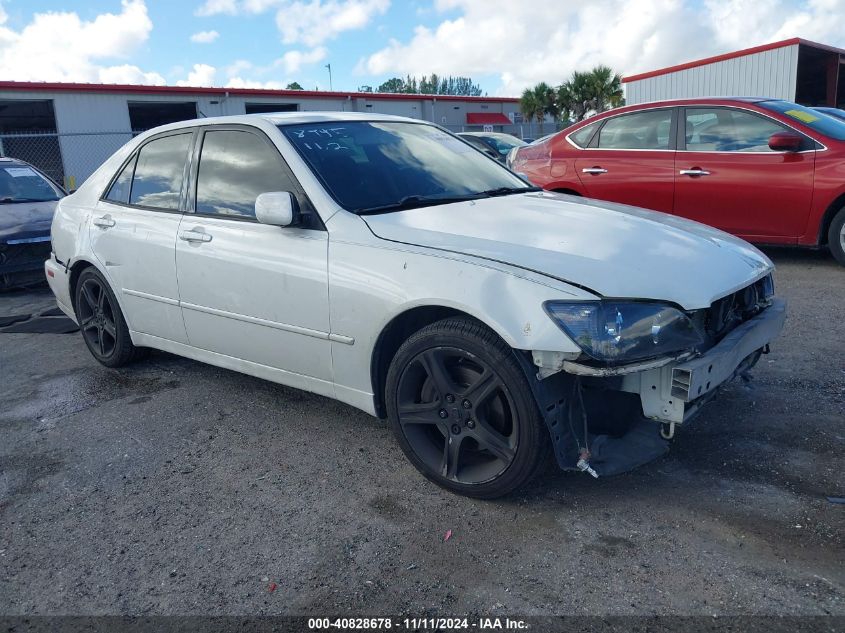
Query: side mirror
{"points": [[785, 142], [276, 208]]}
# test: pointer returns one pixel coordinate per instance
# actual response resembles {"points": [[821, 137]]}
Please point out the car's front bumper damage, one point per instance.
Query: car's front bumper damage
{"points": [[605, 417]]}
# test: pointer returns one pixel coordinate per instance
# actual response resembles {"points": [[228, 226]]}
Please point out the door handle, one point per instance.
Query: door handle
{"points": [[104, 222], [594, 170], [194, 236], [694, 172]]}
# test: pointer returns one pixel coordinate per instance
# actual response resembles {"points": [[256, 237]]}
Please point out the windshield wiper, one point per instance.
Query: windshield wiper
{"points": [[413, 202], [506, 191], [10, 200]]}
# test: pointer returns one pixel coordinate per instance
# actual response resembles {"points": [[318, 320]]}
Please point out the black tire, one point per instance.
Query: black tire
{"points": [[487, 448], [836, 237], [101, 322]]}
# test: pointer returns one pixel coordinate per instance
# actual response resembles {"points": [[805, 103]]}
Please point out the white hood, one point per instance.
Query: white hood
{"points": [[612, 249]]}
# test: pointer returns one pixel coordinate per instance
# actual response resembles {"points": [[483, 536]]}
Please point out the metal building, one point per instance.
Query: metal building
{"points": [[68, 130], [796, 70]]}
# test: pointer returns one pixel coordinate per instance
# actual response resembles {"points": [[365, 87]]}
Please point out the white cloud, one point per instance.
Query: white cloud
{"points": [[214, 7], [315, 22], [204, 37], [293, 61], [59, 46], [524, 45], [310, 22], [238, 82], [202, 75]]}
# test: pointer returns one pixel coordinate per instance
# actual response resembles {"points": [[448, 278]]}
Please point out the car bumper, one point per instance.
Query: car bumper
{"points": [[59, 280], [25, 255], [675, 392]]}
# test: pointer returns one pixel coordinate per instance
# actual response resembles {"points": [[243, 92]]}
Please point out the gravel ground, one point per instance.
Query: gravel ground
{"points": [[172, 487]]}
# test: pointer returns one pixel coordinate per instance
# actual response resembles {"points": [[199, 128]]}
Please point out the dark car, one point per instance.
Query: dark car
{"points": [[481, 146], [500, 143], [27, 201], [839, 113]]}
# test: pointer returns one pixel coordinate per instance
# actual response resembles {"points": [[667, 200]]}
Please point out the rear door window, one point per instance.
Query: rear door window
{"points": [[160, 172], [119, 191], [640, 130], [582, 137]]}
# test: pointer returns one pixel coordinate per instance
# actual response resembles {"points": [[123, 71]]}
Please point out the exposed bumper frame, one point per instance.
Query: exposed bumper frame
{"points": [[674, 392]]}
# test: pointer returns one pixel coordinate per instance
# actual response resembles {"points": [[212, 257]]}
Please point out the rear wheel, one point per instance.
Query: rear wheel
{"points": [[101, 322], [836, 237], [463, 411]]}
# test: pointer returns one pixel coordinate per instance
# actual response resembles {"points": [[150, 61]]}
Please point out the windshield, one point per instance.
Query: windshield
{"points": [[377, 166], [504, 143], [821, 123], [21, 183]]}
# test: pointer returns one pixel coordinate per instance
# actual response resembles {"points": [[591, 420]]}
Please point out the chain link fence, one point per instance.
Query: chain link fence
{"points": [[67, 157], [70, 157]]}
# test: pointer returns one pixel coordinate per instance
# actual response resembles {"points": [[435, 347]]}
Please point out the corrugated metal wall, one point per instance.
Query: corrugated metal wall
{"points": [[767, 74]]}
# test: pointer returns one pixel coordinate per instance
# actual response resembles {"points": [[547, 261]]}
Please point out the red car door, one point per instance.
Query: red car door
{"points": [[728, 177], [631, 160]]}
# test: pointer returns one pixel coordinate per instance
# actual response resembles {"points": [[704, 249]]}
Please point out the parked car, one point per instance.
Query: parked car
{"points": [[380, 261], [766, 170], [500, 143], [27, 202], [839, 113], [481, 146]]}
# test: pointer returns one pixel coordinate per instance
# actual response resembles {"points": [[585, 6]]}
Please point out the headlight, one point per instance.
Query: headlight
{"points": [[616, 331]]}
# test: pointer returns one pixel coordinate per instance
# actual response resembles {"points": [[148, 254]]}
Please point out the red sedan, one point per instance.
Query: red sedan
{"points": [[769, 171]]}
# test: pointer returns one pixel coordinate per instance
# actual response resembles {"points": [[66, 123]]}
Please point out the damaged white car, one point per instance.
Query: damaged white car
{"points": [[388, 264]]}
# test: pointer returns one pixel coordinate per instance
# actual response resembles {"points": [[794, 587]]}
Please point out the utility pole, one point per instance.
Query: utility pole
{"points": [[329, 66]]}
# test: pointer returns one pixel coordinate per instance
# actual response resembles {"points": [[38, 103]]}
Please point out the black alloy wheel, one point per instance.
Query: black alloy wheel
{"points": [[96, 318], [462, 410], [101, 322]]}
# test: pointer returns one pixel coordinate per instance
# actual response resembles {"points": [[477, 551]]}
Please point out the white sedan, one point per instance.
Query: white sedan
{"points": [[386, 263]]}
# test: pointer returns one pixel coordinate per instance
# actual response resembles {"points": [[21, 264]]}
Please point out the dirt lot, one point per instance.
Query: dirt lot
{"points": [[173, 487]]}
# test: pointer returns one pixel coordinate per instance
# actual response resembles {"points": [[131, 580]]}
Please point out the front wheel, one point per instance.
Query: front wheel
{"points": [[101, 321], [836, 237], [463, 411]]}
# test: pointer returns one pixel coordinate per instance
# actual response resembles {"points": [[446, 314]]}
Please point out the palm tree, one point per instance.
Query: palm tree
{"points": [[574, 96], [605, 88], [529, 106], [547, 103]]}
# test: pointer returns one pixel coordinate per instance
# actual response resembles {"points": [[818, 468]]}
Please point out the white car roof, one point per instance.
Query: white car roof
{"points": [[285, 118]]}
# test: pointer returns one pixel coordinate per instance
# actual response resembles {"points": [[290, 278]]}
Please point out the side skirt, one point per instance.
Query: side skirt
{"points": [[355, 398]]}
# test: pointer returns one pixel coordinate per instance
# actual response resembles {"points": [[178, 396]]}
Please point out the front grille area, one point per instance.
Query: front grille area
{"points": [[728, 312], [22, 264]]}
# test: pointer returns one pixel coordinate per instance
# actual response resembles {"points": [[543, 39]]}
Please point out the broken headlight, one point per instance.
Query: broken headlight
{"points": [[619, 331]]}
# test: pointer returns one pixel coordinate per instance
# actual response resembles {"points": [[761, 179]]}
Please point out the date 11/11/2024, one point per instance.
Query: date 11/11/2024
{"points": [[418, 624]]}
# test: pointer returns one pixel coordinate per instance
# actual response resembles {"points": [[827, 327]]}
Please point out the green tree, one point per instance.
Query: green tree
{"points": [[294, 85], [529, 106], [605, 89], [394, 84], [432, 85], [589, 92]]}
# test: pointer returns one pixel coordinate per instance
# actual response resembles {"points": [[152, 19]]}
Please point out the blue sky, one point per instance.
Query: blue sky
{"points": [[502, 44]]}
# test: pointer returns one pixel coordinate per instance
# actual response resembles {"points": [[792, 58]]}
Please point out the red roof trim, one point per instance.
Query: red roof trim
{"points": [[487, 118], [726, 56], [33, 86]]}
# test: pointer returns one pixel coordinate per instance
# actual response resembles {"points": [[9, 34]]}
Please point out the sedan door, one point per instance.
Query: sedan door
{"points": [[728, 177], [631, 160], [133, 234], [252, 291]]}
